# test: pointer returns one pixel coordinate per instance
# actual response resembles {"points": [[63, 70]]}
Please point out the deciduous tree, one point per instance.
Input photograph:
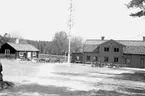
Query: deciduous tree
{"points": [[76, 44], [137, 4]]}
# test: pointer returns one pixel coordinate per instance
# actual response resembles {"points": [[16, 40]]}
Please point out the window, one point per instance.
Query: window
{"points": [[127, 61], [116, 49], [78, 58], [106, 59], [95, 58], [116, 59], [7, 52], [88, 58], [106, 49], [21, 53], [34, 53]]}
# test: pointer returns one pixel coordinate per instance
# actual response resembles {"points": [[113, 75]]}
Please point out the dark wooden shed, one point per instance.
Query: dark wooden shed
{"points": [[19, 51]]}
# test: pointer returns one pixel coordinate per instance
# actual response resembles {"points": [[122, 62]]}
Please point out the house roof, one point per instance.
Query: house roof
{"points": [[89, 47], [23, 47], [124, 42], [132, 46], [134, 50]]}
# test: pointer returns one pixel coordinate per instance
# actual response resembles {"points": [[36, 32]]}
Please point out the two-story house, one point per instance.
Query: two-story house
{"points": [[129, 52]]}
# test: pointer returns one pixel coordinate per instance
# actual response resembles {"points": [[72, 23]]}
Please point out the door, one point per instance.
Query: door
{"points": [[142, 65], [29, 55]]}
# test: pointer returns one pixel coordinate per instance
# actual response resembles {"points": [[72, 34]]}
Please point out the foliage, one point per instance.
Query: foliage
{"points": [[60, 43], [58, 46], [137, 4], [76, 44]]}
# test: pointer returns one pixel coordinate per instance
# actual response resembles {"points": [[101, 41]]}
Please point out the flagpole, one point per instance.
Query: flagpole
{"points": [[69, 30]]}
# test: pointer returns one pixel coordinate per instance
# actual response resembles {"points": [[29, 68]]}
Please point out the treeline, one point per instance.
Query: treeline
{"points": [[58, 45]]}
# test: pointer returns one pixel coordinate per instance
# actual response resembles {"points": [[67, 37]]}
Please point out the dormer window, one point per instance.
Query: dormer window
{"points": [[106, 49]]}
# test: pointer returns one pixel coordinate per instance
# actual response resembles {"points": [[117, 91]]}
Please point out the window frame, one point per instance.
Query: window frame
{"points": [[7, 51], [21, 53], [88, 58], [106, 49], [127, 61], [106, 59], [34, 53], [95, 58], [116, 59], [78, 57], [116, 49]]}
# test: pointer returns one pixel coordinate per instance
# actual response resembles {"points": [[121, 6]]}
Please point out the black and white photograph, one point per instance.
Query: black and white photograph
{"points": [[72, 48]]}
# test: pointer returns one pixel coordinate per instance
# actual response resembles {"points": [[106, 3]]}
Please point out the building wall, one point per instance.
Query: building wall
{"points": [[130, 60], [135, 60], [74, 58], [91, 54], [25, 54], [6, 46], [111, 54], [12, 51]]}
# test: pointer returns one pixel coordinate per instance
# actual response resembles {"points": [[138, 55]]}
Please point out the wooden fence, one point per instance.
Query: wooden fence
{"points": [[52, 58]]}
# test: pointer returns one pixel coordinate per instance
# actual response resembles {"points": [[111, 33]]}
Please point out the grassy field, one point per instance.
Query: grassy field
{"points": [[60, 79]]}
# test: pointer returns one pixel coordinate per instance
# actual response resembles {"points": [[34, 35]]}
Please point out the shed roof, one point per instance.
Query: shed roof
{"points": [[23, 47]]}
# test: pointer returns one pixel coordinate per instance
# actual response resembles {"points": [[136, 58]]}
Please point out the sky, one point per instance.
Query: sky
{"points": [[41, 19]]}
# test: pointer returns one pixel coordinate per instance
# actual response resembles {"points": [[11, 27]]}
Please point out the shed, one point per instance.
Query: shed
{"points": [[19, 51]]}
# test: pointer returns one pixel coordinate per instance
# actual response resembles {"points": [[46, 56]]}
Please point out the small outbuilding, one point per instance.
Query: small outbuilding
{"points": [[19, 51], [77, 57]]}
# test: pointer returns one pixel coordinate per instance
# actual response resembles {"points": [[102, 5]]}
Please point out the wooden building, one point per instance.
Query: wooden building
{"points": [[19, 51], [128, 52], [76, 57]]}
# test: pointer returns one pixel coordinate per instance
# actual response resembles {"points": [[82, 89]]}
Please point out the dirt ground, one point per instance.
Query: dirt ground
{"points": [[61, 79]]}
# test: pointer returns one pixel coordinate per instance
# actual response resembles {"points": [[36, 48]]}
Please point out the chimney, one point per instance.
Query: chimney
{"points": [[143, 38], [102, 38], [17, 40]]}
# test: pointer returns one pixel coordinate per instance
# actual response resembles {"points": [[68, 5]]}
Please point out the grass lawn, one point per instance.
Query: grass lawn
{"points": [[46, 79]]}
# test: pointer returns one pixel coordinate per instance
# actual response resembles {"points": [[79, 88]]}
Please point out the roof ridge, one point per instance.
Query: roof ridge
{"points": [[19, 43], [96, 39], [111, 39], [130, 40]]}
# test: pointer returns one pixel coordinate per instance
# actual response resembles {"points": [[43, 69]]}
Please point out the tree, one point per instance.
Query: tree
{"points": [[60, 43], [5, 38], [137, 4], [76, 44]]}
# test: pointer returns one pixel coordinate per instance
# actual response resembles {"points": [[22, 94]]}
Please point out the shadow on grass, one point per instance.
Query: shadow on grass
{"points": [[115, 93], [70, 74], [137, 76], [6, 85], [61, 91], [120, 90], [108, 93]]}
